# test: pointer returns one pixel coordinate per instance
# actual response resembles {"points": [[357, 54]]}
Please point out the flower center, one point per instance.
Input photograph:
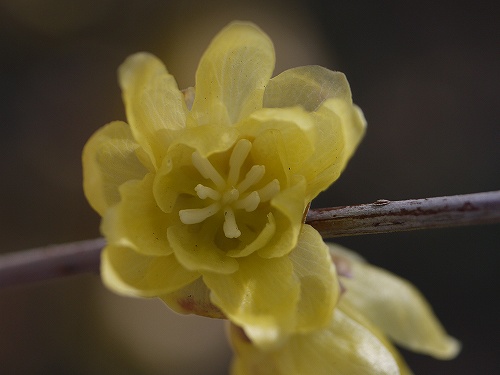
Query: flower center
{"points": [[232, 193]]}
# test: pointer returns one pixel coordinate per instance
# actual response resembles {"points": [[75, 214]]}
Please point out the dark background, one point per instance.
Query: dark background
{"points": [[424, 73]]}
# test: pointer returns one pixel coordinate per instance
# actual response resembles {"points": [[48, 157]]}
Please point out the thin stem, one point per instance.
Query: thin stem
{"points": [[381, 216], [384, 216]]}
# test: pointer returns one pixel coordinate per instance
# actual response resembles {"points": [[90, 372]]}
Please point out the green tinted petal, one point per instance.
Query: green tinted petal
{"points": [[153, 102], [399, 310], [137, 222], [109, 159], [126, 272], [196, 250], [319, 287], [261, 297], [193, 299], [232, 75], [344, 347], [307, 86]]}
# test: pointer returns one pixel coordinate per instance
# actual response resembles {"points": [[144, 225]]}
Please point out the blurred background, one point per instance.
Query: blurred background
{"points": [[425, 74]]}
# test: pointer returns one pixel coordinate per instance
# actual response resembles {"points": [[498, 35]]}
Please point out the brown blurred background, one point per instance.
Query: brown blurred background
{"points": [[424, 73]]}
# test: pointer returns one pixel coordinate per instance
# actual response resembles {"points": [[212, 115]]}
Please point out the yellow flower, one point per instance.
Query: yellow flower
{"points": [[208, 187], [376, 305]]}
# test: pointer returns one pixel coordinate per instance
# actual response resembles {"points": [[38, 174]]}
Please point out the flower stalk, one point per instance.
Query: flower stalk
{"points": [[382, 216]]}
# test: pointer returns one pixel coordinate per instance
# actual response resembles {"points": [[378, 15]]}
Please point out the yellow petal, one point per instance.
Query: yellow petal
{"points": [[232, 75], [196, 250], [261, 297], [288, 207], [319, 287], [137, 222], [344, 347], [359, 318], [109, 159], [307, 86], [126, 272], [352, 121], [295, 127], [153, 102], [193, 299], [398, 309]]}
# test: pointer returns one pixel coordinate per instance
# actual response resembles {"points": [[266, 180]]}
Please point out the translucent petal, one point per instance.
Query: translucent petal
{"points": [[232, 75], [353, 124], [196, 250], [193, 299], [295, 127], [109, 159], [261, 297], [398, 309], [319, 287], [288, 210], [137, 222], [129, 273], [307, 86], [344, 347], [153, 102]]}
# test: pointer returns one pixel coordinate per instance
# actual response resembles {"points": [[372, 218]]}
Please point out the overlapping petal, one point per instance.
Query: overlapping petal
{"points": [[279, 296], [306, 86], [344, 347], [261, 296], [127, 272], [109, 160], [232, 75], [137, 222], [153, 102], [319, 287], [398, 309]]}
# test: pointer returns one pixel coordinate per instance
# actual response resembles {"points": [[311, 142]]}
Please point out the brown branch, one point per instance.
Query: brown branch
{"points": [[381, 216], [384, 216]]}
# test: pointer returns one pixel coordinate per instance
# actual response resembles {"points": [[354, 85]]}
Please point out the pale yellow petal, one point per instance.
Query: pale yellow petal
{"points": [[137, 222], [232, 75], [359, 318], [313, 142], [345, 347], [193, 299], [288, 208], [295, 127], [195, 247], [319, 287], [399, 310], [129, 273], [307, 86], [352, 121], [109, 159], [261, 297], [153, 102]]}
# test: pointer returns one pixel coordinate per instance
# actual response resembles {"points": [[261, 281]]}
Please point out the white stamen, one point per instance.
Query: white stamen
{"points": [[197, 215], [230, 228], [238, 156], [207, 170], [253, 176], [269, 191], [205, 192], [249, 203]]}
